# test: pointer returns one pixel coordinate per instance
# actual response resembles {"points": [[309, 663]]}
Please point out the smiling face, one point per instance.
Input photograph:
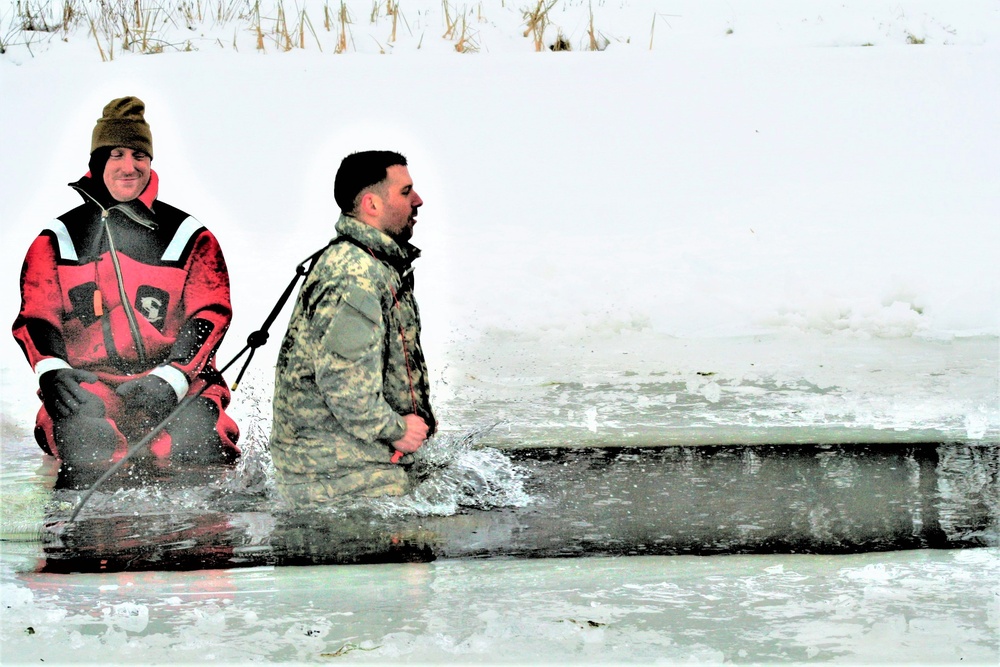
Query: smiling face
{"points": [[126, 173], [397, 203]]}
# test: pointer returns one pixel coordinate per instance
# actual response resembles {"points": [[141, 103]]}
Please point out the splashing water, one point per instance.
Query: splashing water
{"points": [[453, 470], [453, 473], [456, 474]]}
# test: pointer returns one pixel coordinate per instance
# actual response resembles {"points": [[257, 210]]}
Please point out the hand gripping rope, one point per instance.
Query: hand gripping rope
{"points": [[254, 340]]}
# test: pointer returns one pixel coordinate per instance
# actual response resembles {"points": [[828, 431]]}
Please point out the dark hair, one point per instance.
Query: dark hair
{"points": [[359, 171]]}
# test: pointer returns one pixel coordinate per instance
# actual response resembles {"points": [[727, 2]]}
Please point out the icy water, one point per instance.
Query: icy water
{"points": [[557, 532], [849, 553], [557, 503]]}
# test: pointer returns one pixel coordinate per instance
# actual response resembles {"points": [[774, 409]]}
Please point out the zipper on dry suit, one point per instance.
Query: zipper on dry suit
{"points": [[133, 324]]}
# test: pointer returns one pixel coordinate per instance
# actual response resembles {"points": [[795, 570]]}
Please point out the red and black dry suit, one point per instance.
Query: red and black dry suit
{"points": [[125, 289]]}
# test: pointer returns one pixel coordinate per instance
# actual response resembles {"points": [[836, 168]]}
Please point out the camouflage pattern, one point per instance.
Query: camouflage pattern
{"points": [[341, 384]]}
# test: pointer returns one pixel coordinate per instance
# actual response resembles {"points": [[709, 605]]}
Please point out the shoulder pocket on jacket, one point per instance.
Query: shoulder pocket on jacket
{"points": [[355, 325]]}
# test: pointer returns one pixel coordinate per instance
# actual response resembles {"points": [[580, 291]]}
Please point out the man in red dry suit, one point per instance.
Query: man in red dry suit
{"points": [[124, 301]]}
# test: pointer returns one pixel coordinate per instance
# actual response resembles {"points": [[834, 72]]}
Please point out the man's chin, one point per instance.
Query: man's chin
{"points": [[405, 234]]}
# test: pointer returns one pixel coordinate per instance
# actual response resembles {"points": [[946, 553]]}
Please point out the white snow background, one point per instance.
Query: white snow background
{"points": [[738, 222]]}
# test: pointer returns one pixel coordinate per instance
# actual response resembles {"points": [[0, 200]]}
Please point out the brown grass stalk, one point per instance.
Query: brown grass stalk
{"points": [[393, 8], [344, 19], [536, 21], [449, 23], [93, 30]]}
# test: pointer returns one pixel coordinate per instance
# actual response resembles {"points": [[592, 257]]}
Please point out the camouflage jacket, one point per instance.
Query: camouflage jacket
{"points": [[341, 381]]}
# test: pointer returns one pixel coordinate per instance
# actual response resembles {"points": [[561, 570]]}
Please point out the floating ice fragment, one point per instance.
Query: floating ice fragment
{"points": [[15, 596], [128, 616], [874, 571], [712, 392], [976, 426]]}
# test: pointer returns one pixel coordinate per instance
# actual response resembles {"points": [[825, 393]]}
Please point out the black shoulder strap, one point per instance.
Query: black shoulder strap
{"points": [[259, 337]]}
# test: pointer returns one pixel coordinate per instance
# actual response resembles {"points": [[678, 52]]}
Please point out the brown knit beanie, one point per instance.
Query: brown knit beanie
{"points": [[122, 125]]}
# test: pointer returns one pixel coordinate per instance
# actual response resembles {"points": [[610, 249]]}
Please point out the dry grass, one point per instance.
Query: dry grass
{"points": [[306, 22], [344, 19], [561, 43], [536, 20], [393, 13], [449, 23], [457, 29], [153, 26], [598, 42], [138, 26], [130, 25], [35, 22], [392, 9], [466, 42]]}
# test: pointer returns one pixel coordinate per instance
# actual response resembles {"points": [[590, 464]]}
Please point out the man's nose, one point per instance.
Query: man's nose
{"points": [[417, 201]]}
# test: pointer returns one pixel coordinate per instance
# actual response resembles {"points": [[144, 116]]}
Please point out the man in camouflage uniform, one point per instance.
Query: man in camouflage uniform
{"points": [[351, 391]]}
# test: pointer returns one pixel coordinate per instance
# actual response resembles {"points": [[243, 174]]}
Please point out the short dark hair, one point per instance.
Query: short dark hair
{"points": [[359, 171]]}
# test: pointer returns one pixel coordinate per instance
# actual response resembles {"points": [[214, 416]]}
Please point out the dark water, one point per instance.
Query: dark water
{"points": [[604, 501]]}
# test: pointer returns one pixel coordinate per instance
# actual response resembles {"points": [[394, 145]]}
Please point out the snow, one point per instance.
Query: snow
{"points": [[765, 194]]}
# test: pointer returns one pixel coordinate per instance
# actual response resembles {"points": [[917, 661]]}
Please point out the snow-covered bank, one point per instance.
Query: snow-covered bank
{"points": [[109, 31]]}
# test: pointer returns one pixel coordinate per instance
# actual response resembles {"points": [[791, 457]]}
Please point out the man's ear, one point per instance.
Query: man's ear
{"points": [[370, 204]]}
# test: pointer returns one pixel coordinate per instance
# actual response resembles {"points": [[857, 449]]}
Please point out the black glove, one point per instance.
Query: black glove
{"points": [[63, 396], [149, 394]]}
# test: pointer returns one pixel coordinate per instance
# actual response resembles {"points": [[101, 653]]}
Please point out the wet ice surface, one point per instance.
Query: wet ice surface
{"points": [[637, 387], [926, 607]]}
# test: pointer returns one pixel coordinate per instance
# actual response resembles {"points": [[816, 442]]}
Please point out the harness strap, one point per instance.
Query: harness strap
{"points": [[259, 337]]}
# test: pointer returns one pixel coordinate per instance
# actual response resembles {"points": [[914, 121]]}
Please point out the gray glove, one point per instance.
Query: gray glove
{"points": [[150, 394], [63, 396]]}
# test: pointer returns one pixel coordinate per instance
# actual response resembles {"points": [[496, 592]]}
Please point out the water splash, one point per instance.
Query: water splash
{"points": [[454, 470], [455, 473], [253, 473]]}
